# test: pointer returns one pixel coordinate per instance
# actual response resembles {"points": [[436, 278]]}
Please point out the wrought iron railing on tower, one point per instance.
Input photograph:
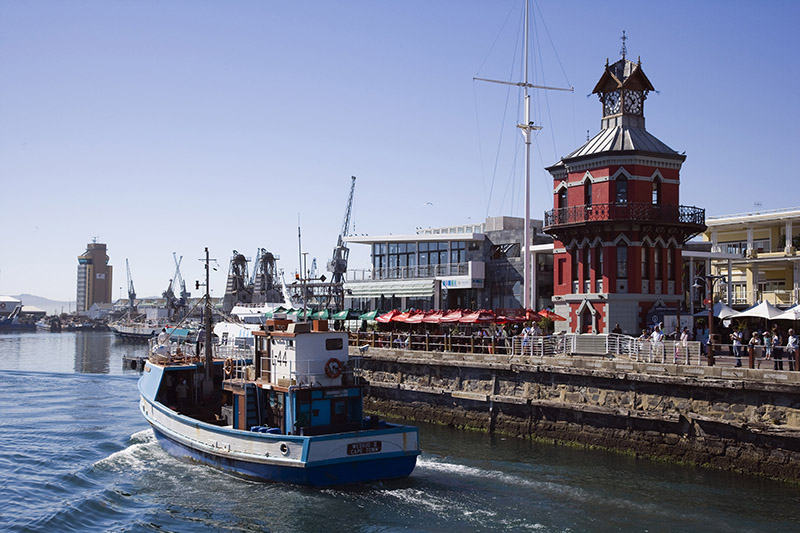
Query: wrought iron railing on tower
{"points": [[628, 211]]}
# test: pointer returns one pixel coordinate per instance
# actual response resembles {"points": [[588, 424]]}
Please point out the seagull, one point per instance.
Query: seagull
{"points": [[428, 203]]}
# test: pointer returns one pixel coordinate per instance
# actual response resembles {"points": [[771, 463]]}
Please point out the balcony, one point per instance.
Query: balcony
{"points": [[691, 216]]}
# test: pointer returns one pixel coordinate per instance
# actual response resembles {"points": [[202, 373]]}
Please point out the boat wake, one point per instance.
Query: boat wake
{"points": [[137, 457]]}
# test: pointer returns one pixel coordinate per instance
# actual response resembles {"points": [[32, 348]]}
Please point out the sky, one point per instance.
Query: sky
{"points": [[169, 126]]}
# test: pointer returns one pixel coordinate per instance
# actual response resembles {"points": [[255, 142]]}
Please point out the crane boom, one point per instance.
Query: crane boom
{"points": [[131, 291], [338, 263]]}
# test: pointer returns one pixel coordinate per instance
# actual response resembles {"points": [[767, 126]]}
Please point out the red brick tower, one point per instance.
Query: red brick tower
{"points": [[617, 221]]}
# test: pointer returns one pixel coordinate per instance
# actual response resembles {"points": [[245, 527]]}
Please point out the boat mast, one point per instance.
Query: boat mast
{"points": [[527, 127]]}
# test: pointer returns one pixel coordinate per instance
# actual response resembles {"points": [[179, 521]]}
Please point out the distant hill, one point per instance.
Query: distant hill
{"points": [[53, 307]]}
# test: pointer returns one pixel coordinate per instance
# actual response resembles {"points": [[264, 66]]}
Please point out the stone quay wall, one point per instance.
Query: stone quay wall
{"points": [[746, 420]]}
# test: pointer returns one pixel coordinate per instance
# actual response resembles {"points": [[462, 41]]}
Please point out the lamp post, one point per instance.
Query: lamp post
{"points": [[710, 279]]}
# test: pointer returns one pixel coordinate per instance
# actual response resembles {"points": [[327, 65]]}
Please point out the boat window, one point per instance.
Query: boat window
{"points": [[334, 344]]}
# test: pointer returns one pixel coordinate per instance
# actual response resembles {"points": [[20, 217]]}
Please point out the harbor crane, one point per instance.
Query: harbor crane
{"points": [[338, 263], [177, 304], [131, 290]]}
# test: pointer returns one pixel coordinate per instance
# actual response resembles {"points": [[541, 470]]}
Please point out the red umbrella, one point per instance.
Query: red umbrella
{"points": [[546, 313], [434, 317], [478, 317], [416, 317], [387, 317], [452, 316]]}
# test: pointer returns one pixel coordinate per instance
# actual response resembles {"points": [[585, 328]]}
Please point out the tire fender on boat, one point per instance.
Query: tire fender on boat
{"points": [[228, 366], [284, 448]]}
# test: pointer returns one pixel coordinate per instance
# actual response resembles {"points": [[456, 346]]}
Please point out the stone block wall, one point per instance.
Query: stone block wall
{"points": [[745, 420]]}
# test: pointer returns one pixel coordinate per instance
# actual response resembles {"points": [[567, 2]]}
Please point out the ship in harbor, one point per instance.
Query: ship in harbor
{"points": [[288, 410]]}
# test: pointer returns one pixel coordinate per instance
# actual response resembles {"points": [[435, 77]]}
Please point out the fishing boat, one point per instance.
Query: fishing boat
{"points": [[288, 410]]}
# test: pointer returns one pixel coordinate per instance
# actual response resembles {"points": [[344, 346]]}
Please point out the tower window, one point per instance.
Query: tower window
{"points": [[562, 198], [587, 193], [622, 190], [656, 191], [622, 261]]}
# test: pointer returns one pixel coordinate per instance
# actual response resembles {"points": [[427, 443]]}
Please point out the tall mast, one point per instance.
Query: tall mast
{"points": [[527, 127]]}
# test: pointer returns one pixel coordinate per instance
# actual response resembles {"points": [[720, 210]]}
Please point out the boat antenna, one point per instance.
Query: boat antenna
{"points": [[209, 358], [301, 276]]}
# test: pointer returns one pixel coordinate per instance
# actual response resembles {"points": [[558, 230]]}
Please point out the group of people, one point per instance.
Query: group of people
{"points": [[773, 343], [654, 340]]}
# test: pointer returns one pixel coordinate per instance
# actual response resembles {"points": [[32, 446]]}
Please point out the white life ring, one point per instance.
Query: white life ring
{"points": [[2, 305]]}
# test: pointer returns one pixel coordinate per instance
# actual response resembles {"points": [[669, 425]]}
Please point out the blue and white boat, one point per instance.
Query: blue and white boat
{"points": [[288, 411]]}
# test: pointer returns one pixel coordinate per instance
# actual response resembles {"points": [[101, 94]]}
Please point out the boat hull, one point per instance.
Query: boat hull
{"points": [[318, 476], [388, 452]]}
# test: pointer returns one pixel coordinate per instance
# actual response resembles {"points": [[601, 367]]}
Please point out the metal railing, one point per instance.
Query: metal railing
{"points": [[578, 214], [409, 272]]}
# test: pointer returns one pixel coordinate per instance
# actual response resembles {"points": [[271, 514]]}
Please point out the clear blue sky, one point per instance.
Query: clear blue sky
{"points": [[161, 126]]}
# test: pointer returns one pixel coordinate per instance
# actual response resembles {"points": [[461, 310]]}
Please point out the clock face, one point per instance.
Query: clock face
{"points": [[611, 103], [633, 102]]}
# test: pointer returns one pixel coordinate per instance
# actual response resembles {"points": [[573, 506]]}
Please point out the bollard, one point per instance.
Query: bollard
{"points": [[427, 345], [710, 352], [752, 356]]}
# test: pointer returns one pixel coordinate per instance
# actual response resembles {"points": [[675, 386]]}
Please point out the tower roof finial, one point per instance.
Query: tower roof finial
{"points": [[624, 50]]}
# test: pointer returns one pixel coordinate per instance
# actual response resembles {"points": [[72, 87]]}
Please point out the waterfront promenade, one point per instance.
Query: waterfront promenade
{"points": [[603, 391]]}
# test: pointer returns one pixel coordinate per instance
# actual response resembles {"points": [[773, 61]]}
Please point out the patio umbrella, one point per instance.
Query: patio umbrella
{"points": [[321, 315], [387, 317], [415, 317], [347, 314], [720, 311], [546, 313], [452, 316], [482, 316], [761, 310], [401, 317], [434, 317], [371, 315], [793, 313]]}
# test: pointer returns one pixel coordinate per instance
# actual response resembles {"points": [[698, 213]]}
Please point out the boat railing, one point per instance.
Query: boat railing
{"points": [[187, 352]]}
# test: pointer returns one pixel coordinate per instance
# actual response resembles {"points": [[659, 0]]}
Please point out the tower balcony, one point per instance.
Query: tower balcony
{"points": [[691, 218]]}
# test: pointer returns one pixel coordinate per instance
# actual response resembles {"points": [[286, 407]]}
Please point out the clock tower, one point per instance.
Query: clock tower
{"points": [[617, 220]]}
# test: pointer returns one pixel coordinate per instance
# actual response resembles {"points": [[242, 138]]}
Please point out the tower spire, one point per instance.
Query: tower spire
{"points": [[624, 50]]}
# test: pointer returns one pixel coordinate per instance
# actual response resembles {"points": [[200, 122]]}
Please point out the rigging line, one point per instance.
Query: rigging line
{"points": [[480, 145], [502, 123], [497, 37], [552, 45], [547, 102], [512, 178]]}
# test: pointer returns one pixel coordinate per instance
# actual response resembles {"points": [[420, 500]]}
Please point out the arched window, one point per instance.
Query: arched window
{"points": [[622, 261], [562, 198], [587, 193], [671, 263], [575, 262], [598, 268], [656, 191], [657, 263], [586, 272], [622, 190], [645, 262]]}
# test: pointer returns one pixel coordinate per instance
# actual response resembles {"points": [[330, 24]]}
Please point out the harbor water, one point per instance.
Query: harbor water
{"points": [[76, 455]]}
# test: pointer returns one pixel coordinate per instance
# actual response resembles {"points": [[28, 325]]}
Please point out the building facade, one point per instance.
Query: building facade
{"points": [[94, 277], [763, 264], [457, 267], [617, 221]]}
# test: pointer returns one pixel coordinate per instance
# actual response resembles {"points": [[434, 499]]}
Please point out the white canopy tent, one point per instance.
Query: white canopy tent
{"points": [[761, 310], [720, 311]]}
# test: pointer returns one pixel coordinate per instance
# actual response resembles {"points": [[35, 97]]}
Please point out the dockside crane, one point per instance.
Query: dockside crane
{"points": [[131, 290], [338, 263]]}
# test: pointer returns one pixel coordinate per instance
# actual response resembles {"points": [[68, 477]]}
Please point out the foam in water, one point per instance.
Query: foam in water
{"points": [[137, 457]]}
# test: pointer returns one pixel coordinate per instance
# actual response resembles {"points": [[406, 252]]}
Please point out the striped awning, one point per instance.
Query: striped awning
{"points": [[415, 288]]}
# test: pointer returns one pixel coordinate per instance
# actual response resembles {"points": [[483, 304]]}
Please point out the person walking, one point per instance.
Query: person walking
{"points": [[777, 349], [791, 348], [736, 338]]}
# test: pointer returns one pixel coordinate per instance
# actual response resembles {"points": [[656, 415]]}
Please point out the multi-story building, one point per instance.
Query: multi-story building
{"points": [[764, 263], [94, 277], [617, 221], [470, 266]]}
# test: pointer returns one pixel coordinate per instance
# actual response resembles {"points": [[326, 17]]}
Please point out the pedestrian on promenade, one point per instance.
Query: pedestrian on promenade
{"points": [[736, 338], [657, 343], [791, 348], [777, 348], [767, 345], [682, 345], [755, 343]]}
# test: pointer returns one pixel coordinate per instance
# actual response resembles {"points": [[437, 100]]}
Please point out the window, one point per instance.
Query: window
{"points": [[656, 191], [645, 262], [622, 190], [575, 265], [587, 193], [334, 344], [458, 252], [562, 198], [622, 261], [670, 263], [598, 268], [657, 263]]}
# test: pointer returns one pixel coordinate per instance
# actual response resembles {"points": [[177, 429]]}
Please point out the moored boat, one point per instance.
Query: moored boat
{"points": [[290, 410]]}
